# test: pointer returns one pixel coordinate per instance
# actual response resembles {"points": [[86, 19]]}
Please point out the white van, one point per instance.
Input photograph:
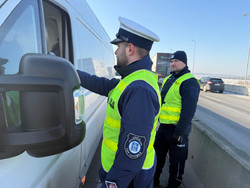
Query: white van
{"points": [[45, 140]]}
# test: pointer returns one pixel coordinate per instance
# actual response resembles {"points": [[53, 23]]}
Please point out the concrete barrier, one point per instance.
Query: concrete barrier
{"points": [[215, 161], [239, 89]]}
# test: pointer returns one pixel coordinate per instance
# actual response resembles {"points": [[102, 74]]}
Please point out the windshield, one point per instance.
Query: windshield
{"points": [[19, 35], [216, 80]]}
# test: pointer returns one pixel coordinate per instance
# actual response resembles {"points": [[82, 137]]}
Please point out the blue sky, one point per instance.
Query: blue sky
{"points": [[218, 27]]}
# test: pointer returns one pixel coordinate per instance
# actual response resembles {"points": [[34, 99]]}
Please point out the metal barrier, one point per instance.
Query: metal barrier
{"points": [[215, 161]]}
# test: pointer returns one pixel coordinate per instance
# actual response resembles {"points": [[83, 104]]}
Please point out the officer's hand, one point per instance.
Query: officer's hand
{"points": [[177, 140]]}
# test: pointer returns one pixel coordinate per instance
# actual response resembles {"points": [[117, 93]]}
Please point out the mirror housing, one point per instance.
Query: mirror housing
{"points": [[46, 86]]}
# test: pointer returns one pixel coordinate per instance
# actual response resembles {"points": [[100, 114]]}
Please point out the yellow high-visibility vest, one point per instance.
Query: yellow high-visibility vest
{"points": [[171, 107], [112, 123]]}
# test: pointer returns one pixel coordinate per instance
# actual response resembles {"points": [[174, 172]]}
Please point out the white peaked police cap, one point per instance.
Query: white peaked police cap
{"points": [[135, 33]]}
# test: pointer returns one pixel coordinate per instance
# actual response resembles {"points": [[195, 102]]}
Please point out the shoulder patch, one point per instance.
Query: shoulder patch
{"points": [[134, 146]]}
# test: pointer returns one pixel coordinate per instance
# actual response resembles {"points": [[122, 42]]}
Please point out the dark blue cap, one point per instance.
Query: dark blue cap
{"points": [[180, 55]]}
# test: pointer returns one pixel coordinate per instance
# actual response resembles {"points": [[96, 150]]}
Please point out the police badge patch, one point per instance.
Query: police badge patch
{"points": [[134, 146], [110, 184]]}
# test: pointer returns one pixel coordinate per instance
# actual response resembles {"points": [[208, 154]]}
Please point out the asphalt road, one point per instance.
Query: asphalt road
{"points": [[229, 115]]}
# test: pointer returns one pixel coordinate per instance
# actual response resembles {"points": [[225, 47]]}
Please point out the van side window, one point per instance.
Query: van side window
{"points": [[57, 31]]}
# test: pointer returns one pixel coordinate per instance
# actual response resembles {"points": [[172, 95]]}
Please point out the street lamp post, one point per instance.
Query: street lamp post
{"points": [[193, 54], [247, 56], [247, 63]]}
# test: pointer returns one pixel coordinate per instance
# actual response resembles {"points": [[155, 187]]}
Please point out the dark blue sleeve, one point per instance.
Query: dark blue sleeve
{"points": [[97, 84], [138, 106], [189, 92]]}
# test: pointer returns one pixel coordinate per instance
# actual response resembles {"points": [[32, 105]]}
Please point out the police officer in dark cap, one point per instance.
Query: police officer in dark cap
{"points": [[127, 156], [180, 92]]}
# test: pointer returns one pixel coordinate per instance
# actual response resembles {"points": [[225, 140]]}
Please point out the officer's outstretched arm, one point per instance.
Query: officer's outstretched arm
{"points": [[100, 85]]}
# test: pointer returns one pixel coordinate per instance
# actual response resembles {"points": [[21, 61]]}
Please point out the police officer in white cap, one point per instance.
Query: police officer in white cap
{"points": [[128, 157]]}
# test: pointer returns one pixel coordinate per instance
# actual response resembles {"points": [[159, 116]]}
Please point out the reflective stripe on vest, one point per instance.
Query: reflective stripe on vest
{"points": [[112, 123], [171, 107]]}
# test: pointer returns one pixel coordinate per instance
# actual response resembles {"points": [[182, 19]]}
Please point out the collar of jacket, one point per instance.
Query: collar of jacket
{"points": [[183, 71], [144, 63]]}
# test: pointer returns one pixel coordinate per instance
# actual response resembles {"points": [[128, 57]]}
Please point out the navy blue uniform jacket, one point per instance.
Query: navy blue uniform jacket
{"points": [[138, 106], [189, 92]]}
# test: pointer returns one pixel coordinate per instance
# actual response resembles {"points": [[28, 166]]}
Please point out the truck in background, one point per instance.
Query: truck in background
{"points": [[50, 127], [161, 65]]}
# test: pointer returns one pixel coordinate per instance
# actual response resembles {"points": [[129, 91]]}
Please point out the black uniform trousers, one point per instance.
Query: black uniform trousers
{"points": [[177, 155]]}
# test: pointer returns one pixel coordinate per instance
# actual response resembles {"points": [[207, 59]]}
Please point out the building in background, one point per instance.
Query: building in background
{"points": [[161, 65]]}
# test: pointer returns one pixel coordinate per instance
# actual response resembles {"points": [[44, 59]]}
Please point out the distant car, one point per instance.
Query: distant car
{"points": [[212, 84]]}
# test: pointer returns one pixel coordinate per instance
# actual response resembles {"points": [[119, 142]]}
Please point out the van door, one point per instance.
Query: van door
{"points": [[24, 32]]}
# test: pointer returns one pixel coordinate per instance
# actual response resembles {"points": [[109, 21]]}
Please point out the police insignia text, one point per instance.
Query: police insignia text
{"points": [[111, 103]]}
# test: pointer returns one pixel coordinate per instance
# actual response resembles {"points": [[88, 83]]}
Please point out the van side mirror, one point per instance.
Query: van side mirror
{"points": [[51, 107]]}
